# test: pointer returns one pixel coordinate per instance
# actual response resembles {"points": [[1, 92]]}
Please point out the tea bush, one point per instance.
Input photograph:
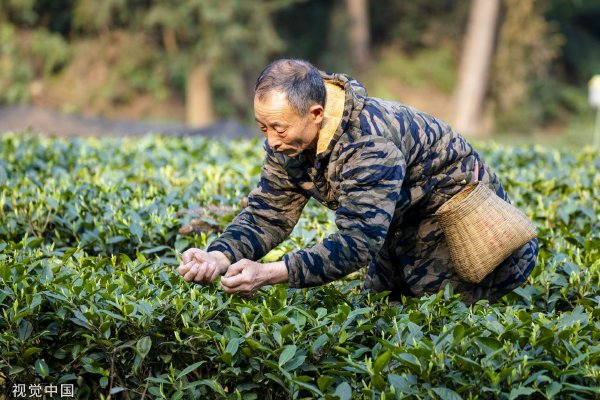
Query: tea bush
{"points": [[90, 295]]}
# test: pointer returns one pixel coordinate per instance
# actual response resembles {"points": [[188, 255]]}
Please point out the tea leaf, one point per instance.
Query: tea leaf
{"points": [[343, 391], [190, 368], [143, 346], [287, 354]]}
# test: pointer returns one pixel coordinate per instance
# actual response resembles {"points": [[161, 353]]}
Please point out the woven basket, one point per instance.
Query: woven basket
{"points": [[482, 230]]}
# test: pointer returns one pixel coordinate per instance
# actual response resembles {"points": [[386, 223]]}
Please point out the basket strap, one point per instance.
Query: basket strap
{"points": [[474, 177], [476, 171]]}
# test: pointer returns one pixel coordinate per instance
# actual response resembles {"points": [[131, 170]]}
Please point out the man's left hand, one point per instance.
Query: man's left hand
{"points": [[244, 277]]}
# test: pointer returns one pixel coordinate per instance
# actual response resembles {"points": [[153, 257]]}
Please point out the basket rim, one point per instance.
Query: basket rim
{"points": [[462, 206]]}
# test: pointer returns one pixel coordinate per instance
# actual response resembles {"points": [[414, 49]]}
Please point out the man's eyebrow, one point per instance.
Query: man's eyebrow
{"points": [[275, 124]]}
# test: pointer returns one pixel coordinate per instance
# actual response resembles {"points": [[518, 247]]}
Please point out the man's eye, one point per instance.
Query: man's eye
{"points": [[280, 131]]}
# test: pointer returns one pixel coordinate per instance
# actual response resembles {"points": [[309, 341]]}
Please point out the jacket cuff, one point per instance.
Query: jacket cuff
{"points": [[291, 263], [232, 254]]}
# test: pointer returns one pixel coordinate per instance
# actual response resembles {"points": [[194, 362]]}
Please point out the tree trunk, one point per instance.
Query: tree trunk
{"points": [[169, 41], [199, 106], [359, 32], [475, 63]]}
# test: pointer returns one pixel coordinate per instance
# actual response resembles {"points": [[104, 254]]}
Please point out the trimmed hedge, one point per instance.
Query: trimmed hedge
{"points": [[90, 295]]}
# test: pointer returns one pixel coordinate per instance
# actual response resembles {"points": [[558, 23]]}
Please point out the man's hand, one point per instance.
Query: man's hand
{"points": [[202, 267], [246, 276]]}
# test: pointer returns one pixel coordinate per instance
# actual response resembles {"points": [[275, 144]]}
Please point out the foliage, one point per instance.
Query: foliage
{"points": [[309, 44], [190, 32], [236, 37], [546, 49], [129, 65], [427, 67], [545, 57], [24, 58], [578, 23], [527, 45], [50, 52], [89, 294], [417, 25], [14, 74]]}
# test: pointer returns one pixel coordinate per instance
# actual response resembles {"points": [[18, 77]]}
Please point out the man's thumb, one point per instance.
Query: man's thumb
{"points": [[234, 269], [199, 256]]}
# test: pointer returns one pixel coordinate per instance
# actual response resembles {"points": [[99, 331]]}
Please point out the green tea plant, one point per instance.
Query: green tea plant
{"points": [[90, 295]]}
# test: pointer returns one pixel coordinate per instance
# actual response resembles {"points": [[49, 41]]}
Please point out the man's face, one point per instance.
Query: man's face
{"points": [[285, 130]]}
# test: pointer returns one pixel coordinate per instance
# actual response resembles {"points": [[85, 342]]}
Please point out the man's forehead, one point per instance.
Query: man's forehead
{"points": [[272, 98], [273, 103]]}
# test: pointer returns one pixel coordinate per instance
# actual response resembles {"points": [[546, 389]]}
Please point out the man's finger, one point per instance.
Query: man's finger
{"points": [[193, 271], [225, 288], [187, 255], [199, 255], [202, 274], [242, 288], [184, 268], [235, 269], [234, 281], [215, 272]]}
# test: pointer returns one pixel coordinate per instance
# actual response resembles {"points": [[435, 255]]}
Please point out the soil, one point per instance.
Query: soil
{"points": [[206, 220], [39, 120]]}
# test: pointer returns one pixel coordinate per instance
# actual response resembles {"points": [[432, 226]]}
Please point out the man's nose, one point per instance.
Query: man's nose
{"points": [[273, 142]]}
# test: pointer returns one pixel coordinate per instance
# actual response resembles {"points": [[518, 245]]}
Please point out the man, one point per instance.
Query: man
{"points": [[384, 167]]}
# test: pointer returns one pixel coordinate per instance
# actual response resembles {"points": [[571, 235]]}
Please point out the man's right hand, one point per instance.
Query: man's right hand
{"points": [[202, 267]]}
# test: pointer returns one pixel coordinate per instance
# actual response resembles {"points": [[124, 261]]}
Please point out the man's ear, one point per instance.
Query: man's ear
{"points": [[317, 112]]}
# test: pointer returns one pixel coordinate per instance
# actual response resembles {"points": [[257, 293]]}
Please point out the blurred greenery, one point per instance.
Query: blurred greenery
{"points": [[428, 66], [547, 50], [574, 135], [413, 25], [14, 74], [578, 23]]}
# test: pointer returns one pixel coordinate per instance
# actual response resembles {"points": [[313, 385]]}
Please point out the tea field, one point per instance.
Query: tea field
{"points": [[90, 295]]}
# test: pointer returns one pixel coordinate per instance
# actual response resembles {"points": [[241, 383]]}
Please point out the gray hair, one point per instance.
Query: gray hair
{"points": [[298, 79]]}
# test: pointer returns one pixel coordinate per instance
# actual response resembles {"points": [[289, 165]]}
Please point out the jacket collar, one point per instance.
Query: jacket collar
{"points": [[343, 104], [334, 111]]}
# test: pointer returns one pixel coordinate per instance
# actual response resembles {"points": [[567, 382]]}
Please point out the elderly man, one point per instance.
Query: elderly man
{"points": [[384, 168]]}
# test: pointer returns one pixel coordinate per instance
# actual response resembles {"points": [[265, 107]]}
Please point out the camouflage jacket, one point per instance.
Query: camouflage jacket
{"points": [[377, 163]]}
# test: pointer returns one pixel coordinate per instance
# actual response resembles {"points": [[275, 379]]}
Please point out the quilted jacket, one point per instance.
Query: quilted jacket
{"points": [[377, 164]]}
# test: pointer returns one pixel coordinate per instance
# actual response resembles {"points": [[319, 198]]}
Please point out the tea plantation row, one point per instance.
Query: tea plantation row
{"points": [[90, 295]]}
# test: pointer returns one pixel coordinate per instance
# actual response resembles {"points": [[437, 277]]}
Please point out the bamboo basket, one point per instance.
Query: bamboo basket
{"points": [[482, 230]]}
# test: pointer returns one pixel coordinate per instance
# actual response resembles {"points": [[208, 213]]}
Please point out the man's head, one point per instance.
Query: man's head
{"points": [[289, 101]]}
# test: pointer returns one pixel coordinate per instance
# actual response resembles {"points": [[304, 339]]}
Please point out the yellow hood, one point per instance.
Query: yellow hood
{"points": [[334, 109]]}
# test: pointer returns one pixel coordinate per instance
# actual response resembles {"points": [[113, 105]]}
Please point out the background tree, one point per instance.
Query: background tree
{"points": [[143, 58], [195, 36], [359, 33], [527, 46], [27, 58], [199, 35], [478, 47]]}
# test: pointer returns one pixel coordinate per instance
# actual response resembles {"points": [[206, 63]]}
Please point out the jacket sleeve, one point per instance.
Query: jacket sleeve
{"points": [[273, 210], [371, 179]]}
